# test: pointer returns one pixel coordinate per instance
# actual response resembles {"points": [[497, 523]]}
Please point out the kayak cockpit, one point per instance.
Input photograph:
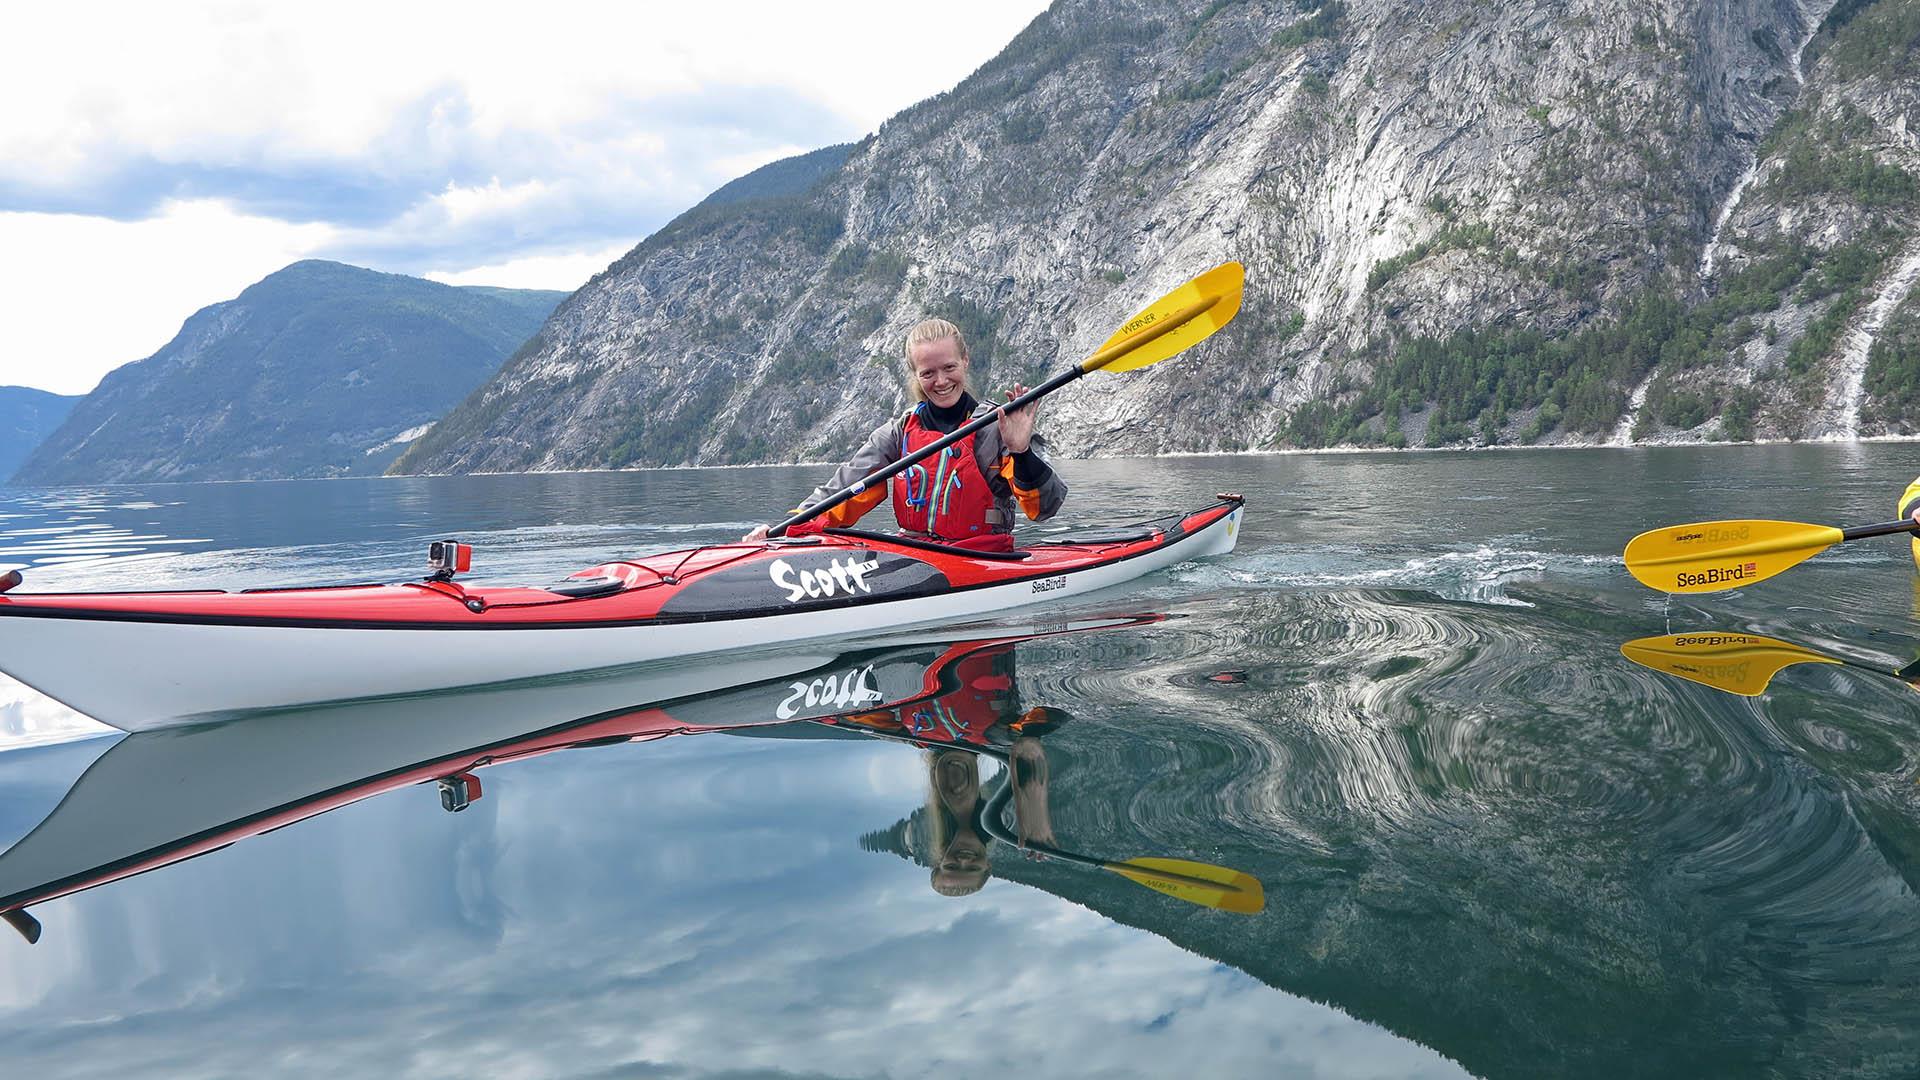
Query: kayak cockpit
{"points": [[587, 588], [1124, 535], [929, 545]]}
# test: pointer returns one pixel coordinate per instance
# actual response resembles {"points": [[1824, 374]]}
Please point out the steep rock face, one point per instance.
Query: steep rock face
{"points": [[1462, 223], [27, 416], [1805, 307], [317, 370]]}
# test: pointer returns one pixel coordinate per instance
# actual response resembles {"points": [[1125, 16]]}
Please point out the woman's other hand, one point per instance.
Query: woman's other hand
{"points": [[758, 534], [1016, 427]]}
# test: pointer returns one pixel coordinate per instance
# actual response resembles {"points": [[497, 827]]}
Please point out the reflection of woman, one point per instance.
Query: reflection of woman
{"points": [[956, 846], [975, 710]]}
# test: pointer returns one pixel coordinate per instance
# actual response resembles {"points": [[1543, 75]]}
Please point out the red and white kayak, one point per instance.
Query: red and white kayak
{"points": [[146, 660]]}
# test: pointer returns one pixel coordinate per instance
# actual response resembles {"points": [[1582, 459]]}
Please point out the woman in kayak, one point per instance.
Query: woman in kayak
{"points": [[965, 494]]}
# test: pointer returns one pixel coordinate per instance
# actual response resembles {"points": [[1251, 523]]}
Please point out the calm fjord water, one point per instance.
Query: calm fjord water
{"points": [[1489, 844]]}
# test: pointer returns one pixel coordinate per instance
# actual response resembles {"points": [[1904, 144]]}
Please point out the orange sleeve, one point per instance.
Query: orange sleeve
{"points": [[844, 515], [1029, 500]]}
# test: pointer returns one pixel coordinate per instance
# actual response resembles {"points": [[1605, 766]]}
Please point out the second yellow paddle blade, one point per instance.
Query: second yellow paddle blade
{"points": [[1197, 883], [1710, 556], [1200, 307], [1736, 663]]}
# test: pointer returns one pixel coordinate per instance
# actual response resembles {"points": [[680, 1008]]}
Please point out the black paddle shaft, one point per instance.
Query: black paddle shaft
{"points": [[1885, 528], [925, 452]]}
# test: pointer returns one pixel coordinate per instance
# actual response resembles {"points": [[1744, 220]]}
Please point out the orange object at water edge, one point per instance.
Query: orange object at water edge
{"points": [[1904, 508]]}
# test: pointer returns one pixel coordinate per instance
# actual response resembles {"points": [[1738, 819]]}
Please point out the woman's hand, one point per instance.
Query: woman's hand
{"points": [[1031, 814], [1016, 427], [758, 534]]}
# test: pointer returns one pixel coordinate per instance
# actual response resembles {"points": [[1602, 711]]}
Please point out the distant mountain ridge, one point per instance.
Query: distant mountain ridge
{"points": [[28, 416], [319, 369]]}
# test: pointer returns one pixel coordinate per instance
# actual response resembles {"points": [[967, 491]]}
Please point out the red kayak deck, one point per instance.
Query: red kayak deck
{"points": [[699, 584]]}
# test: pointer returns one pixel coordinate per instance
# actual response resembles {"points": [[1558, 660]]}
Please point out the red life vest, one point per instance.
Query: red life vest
{"points": [[945, 496], [982, 696]]}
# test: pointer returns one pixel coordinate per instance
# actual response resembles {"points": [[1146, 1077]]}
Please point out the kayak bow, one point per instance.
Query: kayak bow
{"points": [[147, 660]]}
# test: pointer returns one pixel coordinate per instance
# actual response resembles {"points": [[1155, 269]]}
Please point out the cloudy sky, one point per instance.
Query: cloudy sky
{"points": [[158, 158]]}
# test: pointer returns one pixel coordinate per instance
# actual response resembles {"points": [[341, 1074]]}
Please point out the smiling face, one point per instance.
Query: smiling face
{"points": [[939, 370], [962, 868]]}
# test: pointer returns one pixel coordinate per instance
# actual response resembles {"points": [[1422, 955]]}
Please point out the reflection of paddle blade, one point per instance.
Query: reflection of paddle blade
{"points": [[1195, 310], [1736, 663], [1197, 883], [1712, 556]]}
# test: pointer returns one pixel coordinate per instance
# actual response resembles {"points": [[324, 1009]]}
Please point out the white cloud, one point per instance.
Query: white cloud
{"points": [[197, 77], [86, 294], [28, 718], [568, 271], [425, 137], [461, 204]]}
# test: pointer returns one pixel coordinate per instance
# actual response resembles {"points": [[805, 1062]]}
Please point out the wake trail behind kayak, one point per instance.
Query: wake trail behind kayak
{"points": [[1473, 573]]}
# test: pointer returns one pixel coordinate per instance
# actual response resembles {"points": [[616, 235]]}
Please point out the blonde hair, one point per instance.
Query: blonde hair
{"points": [[944, 822], [928, 331]]}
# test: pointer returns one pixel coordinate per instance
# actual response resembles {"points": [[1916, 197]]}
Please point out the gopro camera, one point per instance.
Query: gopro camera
{"points": [[449, 557]]}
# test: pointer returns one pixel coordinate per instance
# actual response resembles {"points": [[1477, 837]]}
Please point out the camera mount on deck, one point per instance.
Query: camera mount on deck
{"points": [[446, 558]]}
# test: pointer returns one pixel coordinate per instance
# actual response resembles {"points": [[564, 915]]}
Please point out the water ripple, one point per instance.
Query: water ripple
{"points": [[1388, 757]]}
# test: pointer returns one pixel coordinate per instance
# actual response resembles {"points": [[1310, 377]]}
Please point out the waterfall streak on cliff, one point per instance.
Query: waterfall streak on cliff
{"points": [[1726, 211], [1623, 434], [1812, 23], [1853, 361]]}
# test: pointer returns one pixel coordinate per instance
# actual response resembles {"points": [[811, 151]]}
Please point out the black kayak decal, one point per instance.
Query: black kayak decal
{"points": [[802, 580]]}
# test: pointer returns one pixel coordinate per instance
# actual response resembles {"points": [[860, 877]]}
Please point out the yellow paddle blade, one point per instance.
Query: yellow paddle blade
{"points": [[1179, 320], [1709, 556], [1196, 883], [1737, 663]]}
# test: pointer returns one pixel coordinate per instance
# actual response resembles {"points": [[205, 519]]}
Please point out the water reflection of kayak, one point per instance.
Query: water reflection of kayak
{"points": [[139, 660], [158, 797]]}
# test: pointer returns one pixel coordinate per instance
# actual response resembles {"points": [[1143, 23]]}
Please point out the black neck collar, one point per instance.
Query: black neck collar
{"points": [[951, 416]]}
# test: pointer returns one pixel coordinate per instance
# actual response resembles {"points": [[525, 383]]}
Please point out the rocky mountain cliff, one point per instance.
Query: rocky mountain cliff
{"points": [[1463, 223], [319, 369], [27, 416]]}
